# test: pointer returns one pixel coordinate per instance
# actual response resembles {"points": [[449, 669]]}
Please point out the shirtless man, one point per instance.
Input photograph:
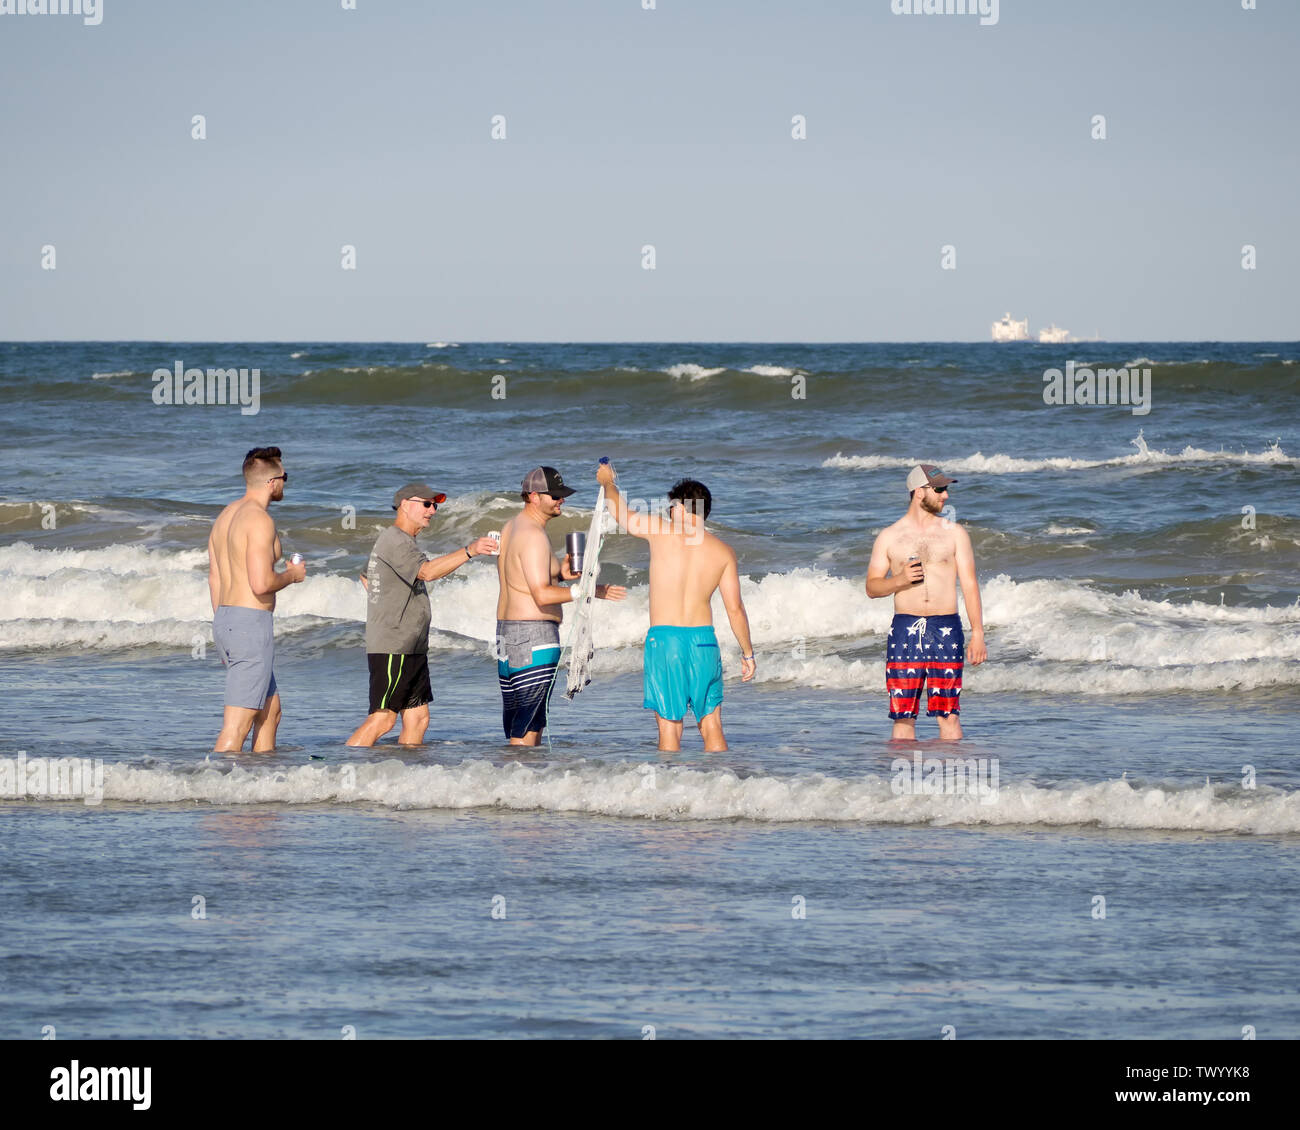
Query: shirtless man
{"points": [[682, 665], [528, 608], [919, 561], [242, 551]]}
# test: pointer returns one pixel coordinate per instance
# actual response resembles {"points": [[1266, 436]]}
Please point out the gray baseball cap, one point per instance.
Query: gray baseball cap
{"points": [[417, 490], [545, 480]]}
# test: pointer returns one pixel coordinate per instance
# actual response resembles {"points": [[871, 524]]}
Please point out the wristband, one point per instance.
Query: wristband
{"points": [[468, 556], [747, 657]]}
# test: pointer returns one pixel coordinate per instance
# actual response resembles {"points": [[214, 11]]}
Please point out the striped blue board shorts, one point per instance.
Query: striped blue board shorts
{"points": [[528, 652]]}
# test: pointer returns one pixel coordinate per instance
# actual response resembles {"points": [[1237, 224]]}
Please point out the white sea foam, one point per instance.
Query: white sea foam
{"points": [[769, 371], [110, 376], [24, 560], [694, 372], [295, 356], [981, 464], [810, 628], [1066, 531], [644, 791], [128, 596]]}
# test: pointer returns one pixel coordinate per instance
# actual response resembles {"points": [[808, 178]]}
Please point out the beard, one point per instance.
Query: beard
{"points": [[932, 506]]}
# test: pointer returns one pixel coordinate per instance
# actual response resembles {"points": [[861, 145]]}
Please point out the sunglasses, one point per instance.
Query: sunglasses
{"points": [[285, 477], [430, 503], [939, 490]]}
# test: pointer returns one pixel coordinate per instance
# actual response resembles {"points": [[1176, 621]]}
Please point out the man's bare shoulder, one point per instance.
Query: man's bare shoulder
{"points": [[959, 533], [525, 535], [895, 530], [223, 519], [247, 515], [719, 547]]}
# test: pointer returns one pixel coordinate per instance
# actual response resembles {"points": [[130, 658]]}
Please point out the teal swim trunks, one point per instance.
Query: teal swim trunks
{"points": [[683, 667]]}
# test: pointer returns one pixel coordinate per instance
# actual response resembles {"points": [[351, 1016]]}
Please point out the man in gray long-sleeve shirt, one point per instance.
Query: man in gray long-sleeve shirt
{"points": [[397, 617]]}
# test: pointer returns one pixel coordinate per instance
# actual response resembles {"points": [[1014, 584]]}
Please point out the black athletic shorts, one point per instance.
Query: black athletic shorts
{"points": [[398, 682]]}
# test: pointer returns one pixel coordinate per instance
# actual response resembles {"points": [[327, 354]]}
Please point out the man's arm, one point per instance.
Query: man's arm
{"points": [[879, 583], [214, 575], [259, 557], [450, 562], [562, 570], [729, 586], [976, 652], [536, 561], [634, 522]]}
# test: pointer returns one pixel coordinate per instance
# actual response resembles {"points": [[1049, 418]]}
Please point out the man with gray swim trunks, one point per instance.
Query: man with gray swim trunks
{"points": [[242, 551]]}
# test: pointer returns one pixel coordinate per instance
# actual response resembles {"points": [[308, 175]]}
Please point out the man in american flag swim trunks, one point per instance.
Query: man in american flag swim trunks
{"points": [[919, 561]]}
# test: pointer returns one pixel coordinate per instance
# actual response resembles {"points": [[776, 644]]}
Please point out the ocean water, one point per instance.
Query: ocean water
{"points": [[1127, 864]]}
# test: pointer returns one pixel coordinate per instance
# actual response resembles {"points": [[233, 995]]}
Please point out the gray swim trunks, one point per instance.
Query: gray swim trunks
{"points": [[245, 640]]}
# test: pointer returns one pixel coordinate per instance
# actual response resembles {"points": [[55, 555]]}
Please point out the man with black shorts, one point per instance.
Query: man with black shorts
{"points": [[398, 616]]}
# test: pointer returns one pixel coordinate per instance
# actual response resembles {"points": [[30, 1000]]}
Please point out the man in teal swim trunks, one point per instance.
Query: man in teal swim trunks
{"points": [[683, 666]]}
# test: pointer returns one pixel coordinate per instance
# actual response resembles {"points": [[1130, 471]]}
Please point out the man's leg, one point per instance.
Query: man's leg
{"points": [[715, 741], [670, 734], [949, 727], [235, 723], [415, 720], [904, 730], [943, 682], [265, 723], [373, 728], [531, 738]]}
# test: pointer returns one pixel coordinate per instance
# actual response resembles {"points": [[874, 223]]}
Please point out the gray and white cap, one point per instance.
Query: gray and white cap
{"points": [[927, 475], [545, 480]]}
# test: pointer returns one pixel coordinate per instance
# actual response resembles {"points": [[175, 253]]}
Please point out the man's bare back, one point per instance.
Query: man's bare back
{"points": [[684, 574], [228, 550]]}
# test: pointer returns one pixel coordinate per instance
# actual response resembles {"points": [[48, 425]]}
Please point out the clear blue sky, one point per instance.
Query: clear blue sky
{"points": [[670, 127]]}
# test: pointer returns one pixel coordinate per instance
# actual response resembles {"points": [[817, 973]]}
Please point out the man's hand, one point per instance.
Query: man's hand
{"points": [[611, 592], [605, 474], [296, 573], [913, 574], [365, 581], [566, 569], [976, 652], [747, 668], [483, 547]]}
